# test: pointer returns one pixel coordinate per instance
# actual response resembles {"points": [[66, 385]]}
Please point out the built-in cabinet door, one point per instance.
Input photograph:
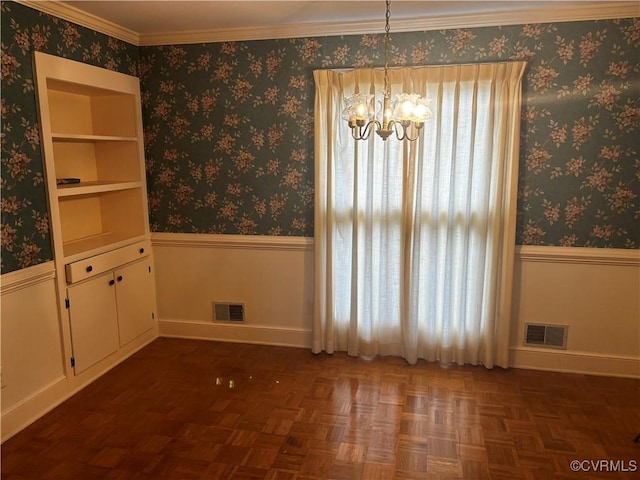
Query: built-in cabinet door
{"points": [[134, 288], [92, 315]]}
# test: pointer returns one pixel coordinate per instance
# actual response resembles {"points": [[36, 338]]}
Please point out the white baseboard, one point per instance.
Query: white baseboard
{"points": [[223, 332], [585, 363], [34, 407], [523, 357], [49, 397]]}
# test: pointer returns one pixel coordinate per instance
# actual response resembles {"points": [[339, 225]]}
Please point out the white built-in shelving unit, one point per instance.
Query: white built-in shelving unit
{"points": [[91, 126]]}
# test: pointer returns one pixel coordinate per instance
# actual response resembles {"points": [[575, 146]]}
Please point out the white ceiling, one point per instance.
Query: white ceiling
{"points": [[186, 21], [147, 17]]}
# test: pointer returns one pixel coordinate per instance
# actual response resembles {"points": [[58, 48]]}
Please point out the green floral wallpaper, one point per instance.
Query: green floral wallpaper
{"points": [[25, 237], [229, 126]]}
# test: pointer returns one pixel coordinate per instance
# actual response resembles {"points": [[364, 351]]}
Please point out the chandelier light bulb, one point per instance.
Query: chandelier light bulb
{"points": [[361, 111], [422, 109], [405, 110], [384, 113]]}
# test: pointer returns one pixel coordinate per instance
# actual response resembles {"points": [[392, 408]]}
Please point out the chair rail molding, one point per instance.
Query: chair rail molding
{"points": [[26, 277], [207, 240], [597, 256]]}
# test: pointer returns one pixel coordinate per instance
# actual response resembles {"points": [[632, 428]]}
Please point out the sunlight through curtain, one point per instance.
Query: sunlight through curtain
{"points": [[414, 242]]}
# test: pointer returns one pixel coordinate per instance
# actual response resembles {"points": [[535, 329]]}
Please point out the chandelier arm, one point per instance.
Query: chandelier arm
{"points": [[403, 133], [398, 129], [356, 133], [407, 135], [410, 138], [363, 133], [370, 126]]}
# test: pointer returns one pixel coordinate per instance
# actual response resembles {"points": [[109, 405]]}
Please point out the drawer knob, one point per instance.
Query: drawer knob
{"points": [[119, 278], [112, 282], [142, 250], [89, 269]]}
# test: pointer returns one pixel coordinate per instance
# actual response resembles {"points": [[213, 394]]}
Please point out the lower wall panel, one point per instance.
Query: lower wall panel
{"points": [[32, 347], [271, 276], [595, 292]]}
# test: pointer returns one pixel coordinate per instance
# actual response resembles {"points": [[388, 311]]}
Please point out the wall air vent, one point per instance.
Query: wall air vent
{"points": [[228, 312], [540, 335]]}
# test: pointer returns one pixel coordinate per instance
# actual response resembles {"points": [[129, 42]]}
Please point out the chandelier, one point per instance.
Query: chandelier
{"points": [[405, 117]]}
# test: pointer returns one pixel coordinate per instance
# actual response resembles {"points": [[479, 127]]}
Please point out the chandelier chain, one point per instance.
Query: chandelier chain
{"points": [[387, 89]]}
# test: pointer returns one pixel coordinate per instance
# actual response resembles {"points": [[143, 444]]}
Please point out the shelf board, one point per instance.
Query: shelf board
{"points": [[88, 188], [69, 137], [95, 244], [78, 88]]}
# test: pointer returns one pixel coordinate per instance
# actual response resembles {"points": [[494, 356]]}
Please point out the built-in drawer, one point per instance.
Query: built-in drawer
{"points": [[89, 267]]}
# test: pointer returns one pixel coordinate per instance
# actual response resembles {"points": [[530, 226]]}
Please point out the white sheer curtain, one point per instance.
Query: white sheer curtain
{"points": [[414, 243]]}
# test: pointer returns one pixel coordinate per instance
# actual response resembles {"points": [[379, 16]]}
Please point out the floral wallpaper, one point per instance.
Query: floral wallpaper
{"points": [[229, 137], [25, 237], [229, 126], [579, 163]]}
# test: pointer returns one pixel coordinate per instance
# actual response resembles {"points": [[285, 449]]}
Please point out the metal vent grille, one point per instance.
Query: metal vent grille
{"points": [[228, 312], [551, 336]]}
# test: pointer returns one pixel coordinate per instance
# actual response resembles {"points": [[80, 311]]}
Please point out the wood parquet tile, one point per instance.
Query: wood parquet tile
{"points": [[186, 409]]}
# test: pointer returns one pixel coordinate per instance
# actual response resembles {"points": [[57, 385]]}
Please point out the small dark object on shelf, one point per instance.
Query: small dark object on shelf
{"points": [[67, 181]]}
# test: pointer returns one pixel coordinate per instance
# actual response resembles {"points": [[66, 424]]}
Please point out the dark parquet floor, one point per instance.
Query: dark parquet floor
{"points": [[187, 409]]}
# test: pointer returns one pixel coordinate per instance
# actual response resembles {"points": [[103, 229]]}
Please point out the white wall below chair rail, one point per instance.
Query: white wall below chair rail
{"points": [[271, 276], [32, 353], [596, 292]]}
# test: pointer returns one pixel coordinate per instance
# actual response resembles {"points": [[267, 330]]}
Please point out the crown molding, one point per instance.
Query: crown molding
{"points": [[72, 14], [560, 13]]}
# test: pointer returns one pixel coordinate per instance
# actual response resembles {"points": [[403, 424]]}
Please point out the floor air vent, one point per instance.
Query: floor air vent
{"points": [[228, 312], [552, 336]]}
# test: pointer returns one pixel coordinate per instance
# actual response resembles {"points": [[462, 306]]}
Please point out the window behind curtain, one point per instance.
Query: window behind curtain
{"points": [[414, 241]]}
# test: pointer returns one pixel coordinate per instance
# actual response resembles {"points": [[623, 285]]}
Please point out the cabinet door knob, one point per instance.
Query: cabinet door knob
{"points": [[142, 250], [112, 282], [119, 278], [89, 269]]}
